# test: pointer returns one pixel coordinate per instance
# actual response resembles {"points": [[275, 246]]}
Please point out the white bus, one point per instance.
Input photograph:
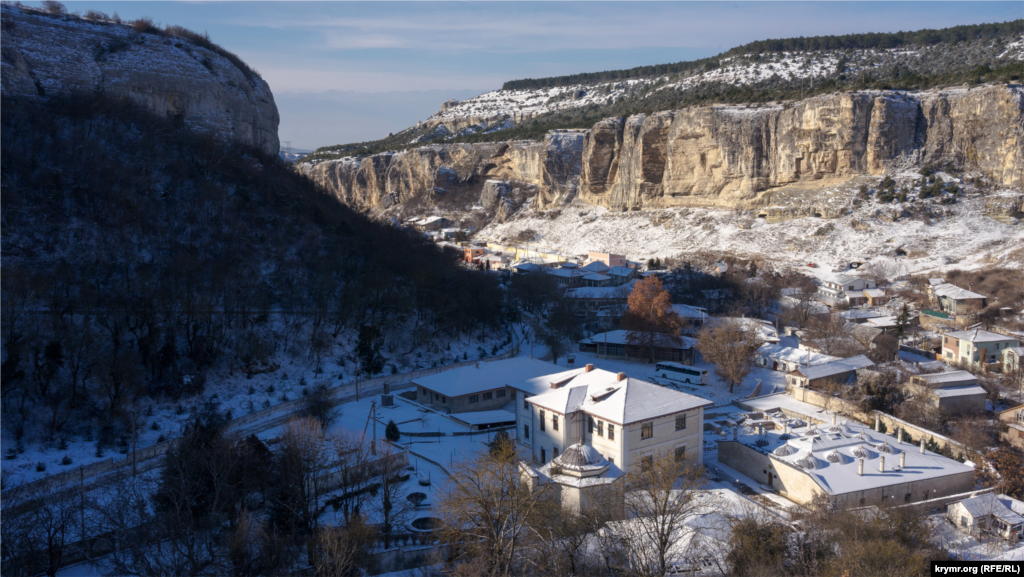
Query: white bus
{"points": [[684, 373]]}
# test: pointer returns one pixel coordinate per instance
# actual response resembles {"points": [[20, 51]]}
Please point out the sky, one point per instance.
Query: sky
{"points": [[353, 71]]}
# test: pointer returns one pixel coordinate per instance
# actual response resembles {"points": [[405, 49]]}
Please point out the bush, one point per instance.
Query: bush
{"points": [[66, 460], [40, 467], [53, 7], [145, 25]]}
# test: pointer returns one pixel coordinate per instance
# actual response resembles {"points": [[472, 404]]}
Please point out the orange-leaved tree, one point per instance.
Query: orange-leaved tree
{"points": [[649, 319]]}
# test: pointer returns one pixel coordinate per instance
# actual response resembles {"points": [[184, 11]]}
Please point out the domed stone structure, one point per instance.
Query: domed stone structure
{"points": [[581, 461]]}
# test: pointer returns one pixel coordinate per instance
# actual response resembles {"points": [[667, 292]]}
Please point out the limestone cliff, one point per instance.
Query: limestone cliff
{"points": [[46, 55], [724, 156]]}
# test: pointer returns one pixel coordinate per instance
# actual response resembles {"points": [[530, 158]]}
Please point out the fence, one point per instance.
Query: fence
{"points": [[280, 410]]}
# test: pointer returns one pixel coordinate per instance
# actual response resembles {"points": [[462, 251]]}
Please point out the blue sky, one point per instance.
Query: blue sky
{"points": [[354, 71]]}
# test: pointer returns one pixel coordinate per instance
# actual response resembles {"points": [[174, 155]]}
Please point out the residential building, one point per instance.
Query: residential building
{"points": [[596, 279], [568, 277], [472, 253], [1011, 426], [594, 298], [610, 260], [778, 357], [843, 371], [1013, 358], [975, 347], [615, 345], [838, 287], [432, 223], [952, 391], [880, 345], [953, 299], [625, 420], [621, 275], [850, 464], [765, 330], [988, 513], [483, 386], [693, 317], [876, 297]]}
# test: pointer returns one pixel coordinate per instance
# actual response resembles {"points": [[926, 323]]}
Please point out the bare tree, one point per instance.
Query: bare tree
{"points": [[304, 459], [565, 534], [38, 529], [340, 552], [391, 503], [487, 511], [660, 498], [879, 271], [254, 548], [729, 345], [830, 334]]}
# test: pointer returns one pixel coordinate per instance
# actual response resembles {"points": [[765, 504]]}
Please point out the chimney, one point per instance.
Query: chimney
{"points": [[903, 459], [833, 418], [735, 432], [860, 466], [588, 368], [899, 436], [922, 445], [881, 464], [620, 377], [878, 422]]}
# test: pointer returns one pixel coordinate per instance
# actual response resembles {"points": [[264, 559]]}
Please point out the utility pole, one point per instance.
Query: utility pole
{"points": [[373, 413]]}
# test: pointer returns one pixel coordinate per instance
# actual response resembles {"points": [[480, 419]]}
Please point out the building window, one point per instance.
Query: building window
{"points": [[554, 422], [680, 453], [906, 498], [862, 501], [554, 452], [488, 396], [593, 426], [646, 463], [681, 422], [433, 396], [423, 391], [611, 460], [600, 428], [500, 393], [526, 405], [526, 431], [474, 398], [543, 456], [444, 400], [611, 432], [647, 430], [541, 419]]}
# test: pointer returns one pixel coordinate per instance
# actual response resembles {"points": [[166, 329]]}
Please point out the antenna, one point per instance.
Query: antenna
{"points": [[287, 148]]}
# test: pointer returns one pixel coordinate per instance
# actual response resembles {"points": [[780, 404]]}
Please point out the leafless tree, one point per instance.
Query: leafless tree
{"points": [[660, 498], [830, 334], [39, 528], [879, 271], [729, 345], [390, 501], [487, 511], [340, 552], [305, 458]]}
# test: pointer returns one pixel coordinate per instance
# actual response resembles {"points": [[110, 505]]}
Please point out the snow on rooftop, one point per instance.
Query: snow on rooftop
{"points": [[947, 377], [601, 292], [601, 394], [951, 291], [836, 367], [620, 337], [808, 358], [978, 336], [963, 391], [485, 376], [830, 456]]}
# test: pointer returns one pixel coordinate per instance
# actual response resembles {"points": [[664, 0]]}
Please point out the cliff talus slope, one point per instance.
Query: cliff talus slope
{"points": [[46, 55]]}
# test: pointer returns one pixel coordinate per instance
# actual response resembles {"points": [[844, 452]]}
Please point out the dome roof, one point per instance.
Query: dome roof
{"points": [[785, 450], [581, 458]]}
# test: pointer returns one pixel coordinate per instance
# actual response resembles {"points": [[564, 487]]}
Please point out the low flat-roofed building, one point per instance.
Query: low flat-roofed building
{"points": [[852, 465], [778, 357], [943, 380], [843, 371], [614, 344], [482, 386]]}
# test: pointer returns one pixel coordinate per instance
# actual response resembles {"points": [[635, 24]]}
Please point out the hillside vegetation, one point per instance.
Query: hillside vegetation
{"points": [[138, 256]]}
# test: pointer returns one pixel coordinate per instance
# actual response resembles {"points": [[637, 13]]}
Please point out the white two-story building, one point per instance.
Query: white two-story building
{"points": [[626, 420]]}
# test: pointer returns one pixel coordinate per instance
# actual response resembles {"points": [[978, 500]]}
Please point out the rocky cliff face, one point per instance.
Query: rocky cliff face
{"points": [[711, 156], [47, 55]]}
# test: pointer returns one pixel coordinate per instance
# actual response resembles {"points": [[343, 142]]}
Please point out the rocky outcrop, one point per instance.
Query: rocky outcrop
{"points": [[726, 156], [46, 55]]}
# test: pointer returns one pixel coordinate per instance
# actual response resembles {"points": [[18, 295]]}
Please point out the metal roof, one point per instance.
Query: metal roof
{"points": [[979, 336], [954, 292], [836, 367]]}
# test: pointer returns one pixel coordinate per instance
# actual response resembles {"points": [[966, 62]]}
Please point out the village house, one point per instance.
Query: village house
{"points": [[988, 513], [953, 391], [596, 279], [880, 345], [567, 277], [975, 347], [470, 254], [608, 259], [849, 464], [1011, 426], [876, 297], [615, 345], [844, 287], [958, 301], [843, 371], [1012, 359], [482, 386], [778, 357], [621, 275], [594, 298], [432, 223]]}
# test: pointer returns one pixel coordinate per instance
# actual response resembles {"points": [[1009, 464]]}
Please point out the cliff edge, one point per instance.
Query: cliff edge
{"points": [[46, 55]]}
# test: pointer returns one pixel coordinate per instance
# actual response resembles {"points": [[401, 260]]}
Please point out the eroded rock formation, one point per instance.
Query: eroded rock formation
{"points": [[724, 156]]}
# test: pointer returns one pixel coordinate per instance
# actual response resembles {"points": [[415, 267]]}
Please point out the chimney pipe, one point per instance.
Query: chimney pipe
{"points": [[735, 432], [878, 422], [903, 459], [881, 464], [922, 445], [588, 368], [899, 436], [833, 418], [860, 466], [620, 377]]}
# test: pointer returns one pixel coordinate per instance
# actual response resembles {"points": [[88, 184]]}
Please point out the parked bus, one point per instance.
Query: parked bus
{"points": [[684, 373]]}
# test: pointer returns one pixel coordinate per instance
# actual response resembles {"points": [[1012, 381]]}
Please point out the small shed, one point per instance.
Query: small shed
{"points": [[988, 513]]}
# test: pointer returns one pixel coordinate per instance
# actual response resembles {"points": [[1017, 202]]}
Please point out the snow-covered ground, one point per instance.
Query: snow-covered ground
{"points": [[967, 238]]}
